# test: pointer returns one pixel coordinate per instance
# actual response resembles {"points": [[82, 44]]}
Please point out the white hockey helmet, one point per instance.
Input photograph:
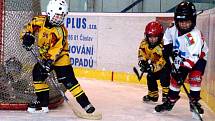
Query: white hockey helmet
{"points": [[56, 11]]}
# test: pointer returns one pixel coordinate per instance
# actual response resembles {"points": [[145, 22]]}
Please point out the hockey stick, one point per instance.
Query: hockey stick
{"points": [[186, 91], [139, 76], [200, 12], [78, 113]]}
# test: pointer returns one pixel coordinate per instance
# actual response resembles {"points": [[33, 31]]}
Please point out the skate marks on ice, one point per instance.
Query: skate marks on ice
{"points": [[123, 102], [53, 115], [117, 102]]}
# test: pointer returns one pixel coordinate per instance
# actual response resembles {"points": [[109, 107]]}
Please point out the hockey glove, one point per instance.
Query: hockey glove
{"points": [[180, 75], [149, 68], [47, 64], [28, 40], [175, 53], [142, 65]]}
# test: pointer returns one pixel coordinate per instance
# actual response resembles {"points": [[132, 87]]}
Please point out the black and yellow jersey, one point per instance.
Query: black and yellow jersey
{"points": [[154, 54], [51, 40]]}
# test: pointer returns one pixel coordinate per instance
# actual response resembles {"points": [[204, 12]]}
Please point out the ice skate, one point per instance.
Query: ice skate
{"points": [[198, 109], [89, 108], [149, 99], [167, 105], [35, 107]]}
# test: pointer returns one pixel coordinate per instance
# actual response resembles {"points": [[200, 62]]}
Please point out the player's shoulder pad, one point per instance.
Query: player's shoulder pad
{"points": [[202, 36], [144, 41], [64, 29], [159, 47], [171, 25], [39, 17], [161, 44]]}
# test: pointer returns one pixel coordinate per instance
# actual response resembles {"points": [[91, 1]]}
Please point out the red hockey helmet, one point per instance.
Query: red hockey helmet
{"points": [[154, 29]]}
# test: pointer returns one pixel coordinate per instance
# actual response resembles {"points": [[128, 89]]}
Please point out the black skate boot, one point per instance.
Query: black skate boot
{"points": [[147, 98], [89, 108], [41, 105], [198, 106], [85, 103], [195, 106], [36, 107], [164, 97], [167, 105]]}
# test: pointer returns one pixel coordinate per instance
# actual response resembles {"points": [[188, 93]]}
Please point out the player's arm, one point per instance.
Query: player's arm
{"points": [[141, 51], [142, 56], [28, 31], [204, 52], [167, 44], [32, 26]]}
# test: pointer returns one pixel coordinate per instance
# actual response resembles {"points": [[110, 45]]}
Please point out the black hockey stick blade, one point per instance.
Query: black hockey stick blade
{"points": [[141, 75], [137, 73], [200, 12]]}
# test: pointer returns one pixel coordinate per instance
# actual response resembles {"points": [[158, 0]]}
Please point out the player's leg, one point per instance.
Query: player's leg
{"points": [[195, 79], [172, 97], [66, 76], [165, 82], [152, 89], [41, 90]]}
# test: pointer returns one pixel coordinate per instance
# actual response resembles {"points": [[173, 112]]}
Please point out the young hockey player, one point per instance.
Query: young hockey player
{"points": [[53, 49], [185, 44], [151, 61]]}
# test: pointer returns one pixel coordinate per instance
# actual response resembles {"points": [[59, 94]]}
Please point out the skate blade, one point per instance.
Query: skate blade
{"points": [[195, 116], [34, 111], [150, 102], [162, 112], [155, 112], [38, 112]]}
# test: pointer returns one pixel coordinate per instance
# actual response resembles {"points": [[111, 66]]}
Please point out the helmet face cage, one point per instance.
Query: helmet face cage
{"points": [[185, 11], [57, 19], [154, 29], [57, 11]]}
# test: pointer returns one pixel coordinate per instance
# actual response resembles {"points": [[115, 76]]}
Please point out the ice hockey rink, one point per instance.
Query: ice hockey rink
{"points": [[117, 102]]}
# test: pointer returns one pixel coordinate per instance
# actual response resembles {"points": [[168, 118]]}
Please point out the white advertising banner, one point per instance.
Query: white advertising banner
{"points": [[82, 37], [107, 41]]}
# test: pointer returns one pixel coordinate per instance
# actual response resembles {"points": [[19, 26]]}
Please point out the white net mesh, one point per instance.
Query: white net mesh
{"points": [[15, 62]]}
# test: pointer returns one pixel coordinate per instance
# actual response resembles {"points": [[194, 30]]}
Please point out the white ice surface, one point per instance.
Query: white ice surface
{"points": [[117, 102]]}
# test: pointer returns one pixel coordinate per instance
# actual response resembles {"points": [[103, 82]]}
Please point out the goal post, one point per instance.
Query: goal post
{"points": [[16, 64], [1, 32]]}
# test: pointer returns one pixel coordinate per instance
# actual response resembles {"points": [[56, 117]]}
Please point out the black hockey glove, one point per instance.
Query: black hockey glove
{"points": [[47, 64], [180, 75], [143, 65], [150, 68], [28, 40]]}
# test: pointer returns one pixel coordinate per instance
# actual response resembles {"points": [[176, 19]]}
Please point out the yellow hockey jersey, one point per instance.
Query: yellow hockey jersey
{"points": [[51, 41], [155, 55]]}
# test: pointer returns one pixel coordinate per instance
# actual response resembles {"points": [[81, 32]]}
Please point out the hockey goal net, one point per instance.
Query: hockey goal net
{"points": [[16, 88]]}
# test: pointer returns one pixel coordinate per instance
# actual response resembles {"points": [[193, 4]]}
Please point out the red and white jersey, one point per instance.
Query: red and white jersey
{"points": [[190, 46]]}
